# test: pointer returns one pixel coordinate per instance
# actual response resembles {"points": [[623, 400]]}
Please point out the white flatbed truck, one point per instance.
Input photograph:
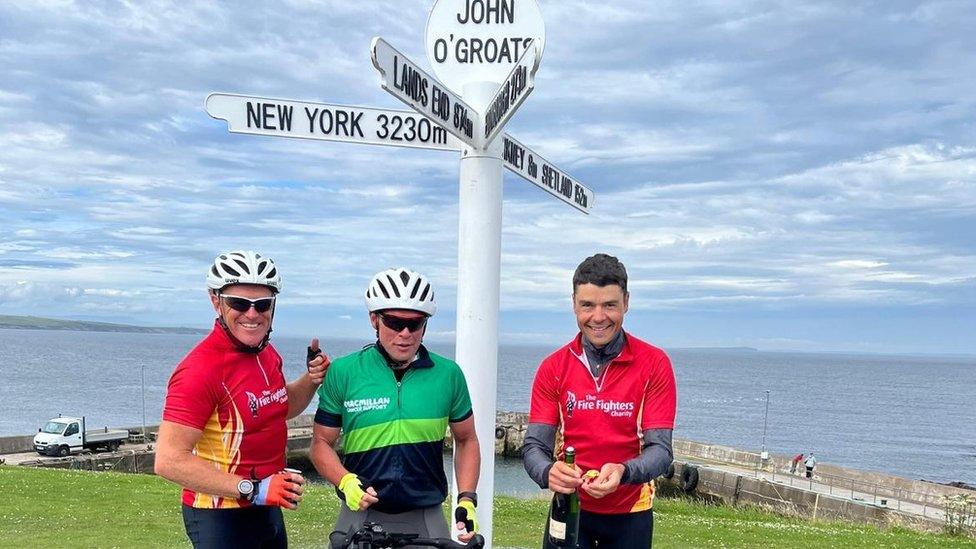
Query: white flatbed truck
{"points": [[66, 435]]}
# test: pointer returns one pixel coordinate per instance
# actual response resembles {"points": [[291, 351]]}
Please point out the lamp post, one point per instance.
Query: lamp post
{"points": [[142, 368], [763, 456]]}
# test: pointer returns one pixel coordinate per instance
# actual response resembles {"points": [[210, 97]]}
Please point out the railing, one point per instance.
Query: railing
{"points": [[865, 492], [926, 504]]}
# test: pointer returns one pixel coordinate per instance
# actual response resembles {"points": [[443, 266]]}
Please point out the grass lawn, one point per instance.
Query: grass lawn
{"points": [[58, 508]]}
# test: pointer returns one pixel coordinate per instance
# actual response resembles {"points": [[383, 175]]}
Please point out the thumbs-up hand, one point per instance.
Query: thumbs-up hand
{"points": [[318, 362]]}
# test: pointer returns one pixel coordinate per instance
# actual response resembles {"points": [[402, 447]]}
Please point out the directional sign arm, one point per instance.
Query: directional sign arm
{"points": [[513, 91], [540, 172], [329, 122], [407, 82]]}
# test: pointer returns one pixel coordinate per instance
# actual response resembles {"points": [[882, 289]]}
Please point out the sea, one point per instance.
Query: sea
{"points": [[913, 416]]}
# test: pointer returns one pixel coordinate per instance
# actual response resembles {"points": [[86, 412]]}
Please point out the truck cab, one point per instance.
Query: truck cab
{"points": [[61, 436]]}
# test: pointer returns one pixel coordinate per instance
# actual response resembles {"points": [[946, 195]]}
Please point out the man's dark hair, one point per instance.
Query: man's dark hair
{"points": [[600, 270]]}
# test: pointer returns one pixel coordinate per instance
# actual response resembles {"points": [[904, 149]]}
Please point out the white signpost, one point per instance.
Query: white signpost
{"points": [[487, 53]]}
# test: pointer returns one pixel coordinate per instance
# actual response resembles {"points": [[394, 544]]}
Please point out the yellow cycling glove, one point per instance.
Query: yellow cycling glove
{"points": [[464, 512], [352, 488]]}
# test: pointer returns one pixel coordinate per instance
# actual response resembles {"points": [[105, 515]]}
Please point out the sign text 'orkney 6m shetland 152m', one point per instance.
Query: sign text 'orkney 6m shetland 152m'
{"points": [[485, 54]]}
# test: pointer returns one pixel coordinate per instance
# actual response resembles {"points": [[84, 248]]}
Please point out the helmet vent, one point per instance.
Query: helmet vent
{"points": [[272, 272], [405, 277], [423, 296], [416, 286], [386, 294], [231, 270], [393, 286], [243, 266]]}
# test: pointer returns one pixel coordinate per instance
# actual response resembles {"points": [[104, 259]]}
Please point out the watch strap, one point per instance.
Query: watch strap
{"points": [[473, 496]]}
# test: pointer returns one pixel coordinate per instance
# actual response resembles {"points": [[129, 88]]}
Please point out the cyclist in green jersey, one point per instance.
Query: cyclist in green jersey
{"points": [[393, 401]]}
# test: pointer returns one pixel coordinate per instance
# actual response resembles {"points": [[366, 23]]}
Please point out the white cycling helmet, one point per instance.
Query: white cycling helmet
{"points": [[400, 289], [243, 267]]}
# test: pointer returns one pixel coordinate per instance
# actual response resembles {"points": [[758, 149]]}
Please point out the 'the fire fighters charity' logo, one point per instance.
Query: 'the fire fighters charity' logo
{"points": [[252, 403], [570, 403]]}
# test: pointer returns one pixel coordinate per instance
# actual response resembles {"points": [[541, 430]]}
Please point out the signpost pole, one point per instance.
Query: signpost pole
{"points": [[479, 266]]}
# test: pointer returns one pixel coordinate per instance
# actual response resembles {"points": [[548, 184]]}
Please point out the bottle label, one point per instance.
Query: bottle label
{"points": [[557, 529]]}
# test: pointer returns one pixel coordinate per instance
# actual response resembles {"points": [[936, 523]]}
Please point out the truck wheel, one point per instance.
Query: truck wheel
{"points": [[113, 446], [63, 451]]}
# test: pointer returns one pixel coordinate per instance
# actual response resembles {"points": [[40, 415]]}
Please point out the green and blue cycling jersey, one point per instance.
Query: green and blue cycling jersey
{"points": [[393, 431]]}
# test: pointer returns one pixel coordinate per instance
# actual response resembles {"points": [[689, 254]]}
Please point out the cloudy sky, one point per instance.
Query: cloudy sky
{"points": [[781, 175]]}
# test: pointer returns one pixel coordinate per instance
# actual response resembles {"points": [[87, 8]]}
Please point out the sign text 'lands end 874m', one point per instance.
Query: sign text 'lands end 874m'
{"points": [[408, 83]]}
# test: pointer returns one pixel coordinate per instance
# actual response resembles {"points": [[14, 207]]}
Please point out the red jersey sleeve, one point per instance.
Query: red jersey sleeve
{"points": [[660, 395], [544, 406], [192, 394]]}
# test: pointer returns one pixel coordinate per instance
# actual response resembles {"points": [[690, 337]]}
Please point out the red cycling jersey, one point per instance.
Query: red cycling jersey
{"points": [[602, 418], [240, 402]]}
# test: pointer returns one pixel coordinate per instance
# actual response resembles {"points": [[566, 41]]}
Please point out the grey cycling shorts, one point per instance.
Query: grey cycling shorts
{"points": [[428, 522]]}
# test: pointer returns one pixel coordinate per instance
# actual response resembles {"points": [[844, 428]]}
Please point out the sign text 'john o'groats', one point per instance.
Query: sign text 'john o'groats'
{"points": [[481, 40]]}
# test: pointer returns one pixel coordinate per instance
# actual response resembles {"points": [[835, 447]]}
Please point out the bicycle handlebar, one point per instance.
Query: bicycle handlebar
{"points": [[373, 536]]}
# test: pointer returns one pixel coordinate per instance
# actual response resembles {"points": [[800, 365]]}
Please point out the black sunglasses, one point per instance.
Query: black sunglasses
{"points": [[397, 324], [242, 304]]}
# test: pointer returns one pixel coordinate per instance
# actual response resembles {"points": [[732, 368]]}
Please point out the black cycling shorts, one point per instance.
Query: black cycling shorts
{"points": [[256, 527], [622, 531]]}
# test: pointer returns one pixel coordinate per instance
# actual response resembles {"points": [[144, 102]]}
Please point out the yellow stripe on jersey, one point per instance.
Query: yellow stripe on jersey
{"points": [[220, 445]]}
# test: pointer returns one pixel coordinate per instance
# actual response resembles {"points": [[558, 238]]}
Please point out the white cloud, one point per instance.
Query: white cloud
{"points": [[860, 264]]}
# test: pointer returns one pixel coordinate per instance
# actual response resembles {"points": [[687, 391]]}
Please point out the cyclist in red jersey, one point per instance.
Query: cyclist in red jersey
{"points": [[223, 435], [612, 397]]}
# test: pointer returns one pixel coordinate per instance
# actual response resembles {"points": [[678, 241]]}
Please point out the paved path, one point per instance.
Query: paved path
{"points": [[861, 493]]}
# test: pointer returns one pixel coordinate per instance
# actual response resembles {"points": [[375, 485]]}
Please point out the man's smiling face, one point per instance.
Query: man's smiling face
{"points": [[600, 311]]}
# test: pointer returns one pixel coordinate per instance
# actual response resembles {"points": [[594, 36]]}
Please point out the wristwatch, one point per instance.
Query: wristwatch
{"points": [[473, 496], [246, 489]]}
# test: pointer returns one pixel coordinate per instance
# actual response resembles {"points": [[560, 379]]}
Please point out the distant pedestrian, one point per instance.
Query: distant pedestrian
{"points": [[810, 463], [795, 463]]}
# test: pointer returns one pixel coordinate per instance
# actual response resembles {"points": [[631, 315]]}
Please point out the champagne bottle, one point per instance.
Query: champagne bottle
{"points": [[563, 528]]}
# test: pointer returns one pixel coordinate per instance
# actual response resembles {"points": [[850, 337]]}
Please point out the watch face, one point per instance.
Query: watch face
{"points": [[245, 487]]}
